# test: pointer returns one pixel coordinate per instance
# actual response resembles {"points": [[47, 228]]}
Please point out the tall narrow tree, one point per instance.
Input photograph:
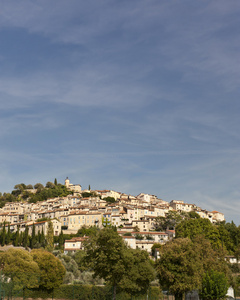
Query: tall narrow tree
{"points": [[33, 238], [42, 239], [50, 237], [8, 236], [3, 241], [26, 238], [16, 238], [61, 240]]}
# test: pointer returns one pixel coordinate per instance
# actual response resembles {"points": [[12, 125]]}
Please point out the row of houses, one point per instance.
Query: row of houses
{"points": [[127, 213], [74, 212], [141, 240]]}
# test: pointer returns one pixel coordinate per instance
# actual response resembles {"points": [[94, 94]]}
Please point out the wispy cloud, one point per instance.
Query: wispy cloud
{"points": [[137, 96]]}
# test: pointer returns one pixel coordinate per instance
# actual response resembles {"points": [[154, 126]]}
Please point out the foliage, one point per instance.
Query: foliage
{"points": [[183, 262], [170, 221], [46, 193], [139, 273], [21, 192], [178, 267], [222, 235], [87, 231], [85, 292], [38, 186], [19, 265], [139, 236], [89, 194], [214, 286], [193, 215], [18, 189], [50, 237], [71, 267], [155, 246], [109, 199], [50, 185], [61, 240], [111, 260], [51, 269], [79, 257], [194, 227], [149, 237]]}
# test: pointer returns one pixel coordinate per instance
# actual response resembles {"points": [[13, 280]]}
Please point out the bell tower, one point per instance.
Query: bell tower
{"points": [[67, 183]]}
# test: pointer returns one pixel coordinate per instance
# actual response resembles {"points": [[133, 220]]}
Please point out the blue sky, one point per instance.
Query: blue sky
{"points": [[134, 96]]}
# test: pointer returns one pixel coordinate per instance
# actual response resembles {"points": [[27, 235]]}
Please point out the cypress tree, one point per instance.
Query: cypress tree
{"points": [[61, 240], [33, 238], [50, 237], [3, 235], [16, 239], [8, 237], [26, 238], [42, 239], [21, 239]]}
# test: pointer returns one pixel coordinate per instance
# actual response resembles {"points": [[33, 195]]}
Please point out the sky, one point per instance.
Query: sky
{"points": [[134, 96]]}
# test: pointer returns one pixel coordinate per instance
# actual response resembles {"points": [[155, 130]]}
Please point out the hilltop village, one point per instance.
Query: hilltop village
{"points": [[133, 216]]}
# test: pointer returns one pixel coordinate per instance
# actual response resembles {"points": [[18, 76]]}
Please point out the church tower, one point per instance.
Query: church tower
{"points": [[67, 183]]}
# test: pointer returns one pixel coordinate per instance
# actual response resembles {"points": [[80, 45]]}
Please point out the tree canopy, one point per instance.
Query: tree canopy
{"points": [[112, 260], [19, 265], [51, 269], [194, 227], [214, 286], [170, 221], [178, 267], [183, 262]]}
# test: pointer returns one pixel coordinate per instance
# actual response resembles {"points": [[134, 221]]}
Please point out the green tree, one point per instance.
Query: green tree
{"points": [[18, 265], [33, 238], [139, 236], [38, 186], [42, 239], [183, 262], [214, 286], [170, 221], [50, 237], [88, 231], [179, 267], [55, 181], [16, 238], [193, 215], [109, 199], [139, 272], [21, 238], [111, 260], [79, 258], [195, 227], [18, 189], [50, 185], [8, 236], [26, 238], [3, 237], [71, 268], [154, 247], [51, 269], [61, 240]]}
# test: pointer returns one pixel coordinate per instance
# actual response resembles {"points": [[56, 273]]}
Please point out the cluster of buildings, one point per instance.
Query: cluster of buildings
{"points": [[133, 216]]}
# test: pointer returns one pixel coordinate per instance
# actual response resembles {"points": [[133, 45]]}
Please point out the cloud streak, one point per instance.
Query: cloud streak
{"points": [[134, 96]]}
